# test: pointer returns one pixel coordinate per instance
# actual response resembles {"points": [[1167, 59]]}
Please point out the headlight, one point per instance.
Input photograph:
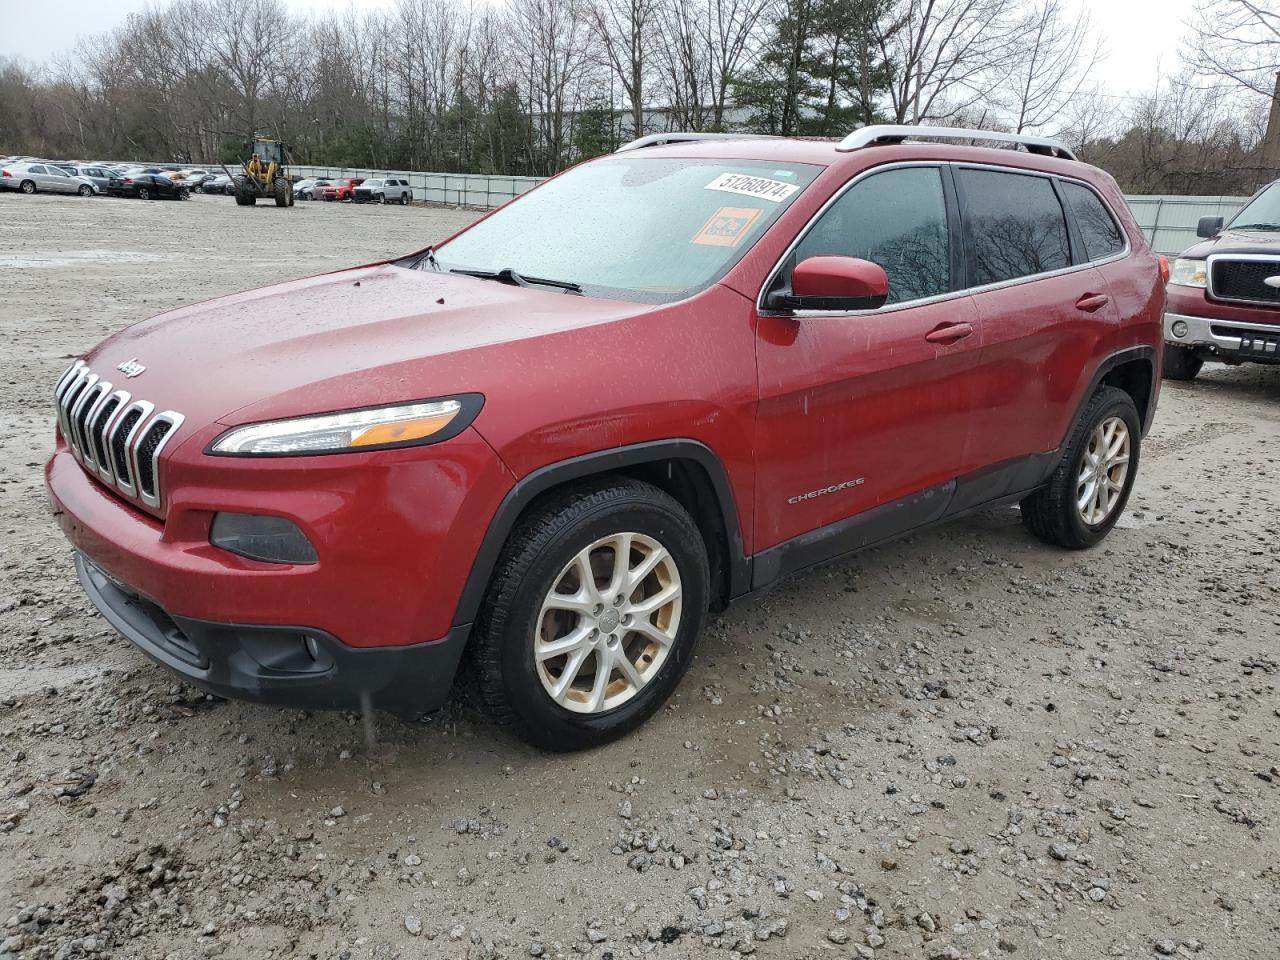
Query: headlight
{"points": [[1189, 273], [352, 430]]}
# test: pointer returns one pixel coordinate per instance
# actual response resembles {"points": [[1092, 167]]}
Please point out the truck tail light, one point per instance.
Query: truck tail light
{"points": [[1164, 269]]}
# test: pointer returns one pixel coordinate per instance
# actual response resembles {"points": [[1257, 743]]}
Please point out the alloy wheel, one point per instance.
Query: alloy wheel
{"points": [[1103, 471], [608, 623]]}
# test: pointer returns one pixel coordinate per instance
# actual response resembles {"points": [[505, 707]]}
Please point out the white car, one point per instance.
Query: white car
{"points": [[44, 178]]}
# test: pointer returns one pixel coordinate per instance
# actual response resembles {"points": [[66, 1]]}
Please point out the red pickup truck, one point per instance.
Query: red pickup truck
{"points": [[1224, 292], [656, 384]]}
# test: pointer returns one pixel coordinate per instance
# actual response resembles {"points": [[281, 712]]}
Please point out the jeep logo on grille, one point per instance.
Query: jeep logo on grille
{"points": [[1273, 282], [131, 367]]}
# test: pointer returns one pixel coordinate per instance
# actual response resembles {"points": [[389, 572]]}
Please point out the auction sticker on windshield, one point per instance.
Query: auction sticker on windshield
{"points": [[727, 226], [775, 191]]}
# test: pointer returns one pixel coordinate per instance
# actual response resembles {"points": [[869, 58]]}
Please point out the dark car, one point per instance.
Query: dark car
{"points": [[147, 186], [1224, 292], [324, 493], [221, 184]]}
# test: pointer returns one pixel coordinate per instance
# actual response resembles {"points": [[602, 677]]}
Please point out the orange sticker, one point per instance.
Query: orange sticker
{"points": [[727, 226]]}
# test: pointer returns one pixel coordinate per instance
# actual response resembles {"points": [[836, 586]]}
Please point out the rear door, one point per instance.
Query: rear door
{"points": [[864, 408], [1042, 311]]}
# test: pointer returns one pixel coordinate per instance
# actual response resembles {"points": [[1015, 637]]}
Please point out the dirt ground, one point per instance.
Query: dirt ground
{"points": [[962, 745]]}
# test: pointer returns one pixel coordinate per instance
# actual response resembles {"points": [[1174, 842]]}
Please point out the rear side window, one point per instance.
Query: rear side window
{"points": [[897, 219], [35, 169], [1015, 225], [1098, 230]]}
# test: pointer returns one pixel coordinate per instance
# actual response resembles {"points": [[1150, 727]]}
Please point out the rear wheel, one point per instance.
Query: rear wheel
{"points": [[1181, 363], [144, 193], [85, 190], [1088, 491], [592, 615], [28, 186]]}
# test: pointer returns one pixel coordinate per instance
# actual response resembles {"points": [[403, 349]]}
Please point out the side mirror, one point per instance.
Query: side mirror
{"points": [[1209, 227], [833, 283]]}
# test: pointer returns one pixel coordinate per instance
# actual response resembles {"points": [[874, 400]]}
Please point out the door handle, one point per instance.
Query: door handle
{"points": [[949, 332], [1092, 302]]}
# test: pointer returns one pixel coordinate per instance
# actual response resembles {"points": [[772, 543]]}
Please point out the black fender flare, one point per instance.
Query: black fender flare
{"points": [[1127, 355], [598, 463]]}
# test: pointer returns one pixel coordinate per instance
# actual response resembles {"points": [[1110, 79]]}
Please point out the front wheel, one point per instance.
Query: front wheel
{"points": [[184, 194], [592, 615], [1181, 363], [1088, 491]]}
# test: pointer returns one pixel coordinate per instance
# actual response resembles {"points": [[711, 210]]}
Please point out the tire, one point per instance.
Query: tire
{"points": [[184, 193], [280, 191], [1053, 512], [144, 193], [85, 190], [28, 187], [1181, 363], [540, 557], [382, 199], [404, 199]]}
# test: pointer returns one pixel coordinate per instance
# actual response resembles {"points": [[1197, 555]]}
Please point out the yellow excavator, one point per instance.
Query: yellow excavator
{"points": [[264, 175]]}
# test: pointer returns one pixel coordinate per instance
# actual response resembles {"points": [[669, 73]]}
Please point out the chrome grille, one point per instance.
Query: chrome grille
{"points": [[114, 436]]}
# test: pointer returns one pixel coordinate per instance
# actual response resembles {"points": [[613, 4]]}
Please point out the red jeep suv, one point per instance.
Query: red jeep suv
{"points": [[656, 384]]}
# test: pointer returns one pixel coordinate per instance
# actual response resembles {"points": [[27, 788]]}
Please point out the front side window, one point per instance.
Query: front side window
{"points": [[1015, 225], [372, 183], [630, 227], [1101, 237], [897, 219]]}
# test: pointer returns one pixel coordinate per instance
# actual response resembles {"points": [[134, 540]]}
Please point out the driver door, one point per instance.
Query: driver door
{"points": [[868, 409]]}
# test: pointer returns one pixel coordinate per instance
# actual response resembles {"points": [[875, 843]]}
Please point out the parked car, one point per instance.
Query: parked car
{"points": [[1224, 292], [100, 176], [44, 178], [390, 190], [147, 186], [340, 189], [194, 181], [219, 184], [809, 348], [308, 188]]}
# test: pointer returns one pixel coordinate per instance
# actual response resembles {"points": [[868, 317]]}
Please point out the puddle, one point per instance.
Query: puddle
{"points": [[71, 258]]}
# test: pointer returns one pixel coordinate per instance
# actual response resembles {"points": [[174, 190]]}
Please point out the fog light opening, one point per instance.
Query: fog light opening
{"points": [[1179, 328]]}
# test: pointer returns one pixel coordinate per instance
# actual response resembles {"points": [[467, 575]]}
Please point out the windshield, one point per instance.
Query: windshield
{"points": [[635, 228], [1262, 213]]}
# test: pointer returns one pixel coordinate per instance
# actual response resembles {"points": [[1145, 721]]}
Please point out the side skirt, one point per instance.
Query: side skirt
{"points": [[1002, 484]]}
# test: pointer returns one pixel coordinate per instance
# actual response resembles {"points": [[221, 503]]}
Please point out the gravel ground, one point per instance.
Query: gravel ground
{"points": [[965, 744]]}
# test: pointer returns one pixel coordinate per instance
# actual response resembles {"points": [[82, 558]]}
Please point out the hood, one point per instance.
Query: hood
{"points": [[1236, 241], [372, 335]]}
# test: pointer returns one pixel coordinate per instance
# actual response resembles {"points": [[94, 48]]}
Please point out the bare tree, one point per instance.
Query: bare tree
{"points": [[1051, 64], [946, 55], [624, 33], [1237, 41]]}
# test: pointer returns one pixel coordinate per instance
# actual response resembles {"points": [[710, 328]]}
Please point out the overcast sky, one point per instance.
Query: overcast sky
{"points": [[1141, 36]]}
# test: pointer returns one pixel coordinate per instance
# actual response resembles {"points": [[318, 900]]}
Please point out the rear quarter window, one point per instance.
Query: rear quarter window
{"points": [[1101, 236], [1014, 224]]}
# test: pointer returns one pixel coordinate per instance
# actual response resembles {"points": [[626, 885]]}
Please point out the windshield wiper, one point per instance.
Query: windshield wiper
{"points": [[1255, 226], [508, 275]]}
